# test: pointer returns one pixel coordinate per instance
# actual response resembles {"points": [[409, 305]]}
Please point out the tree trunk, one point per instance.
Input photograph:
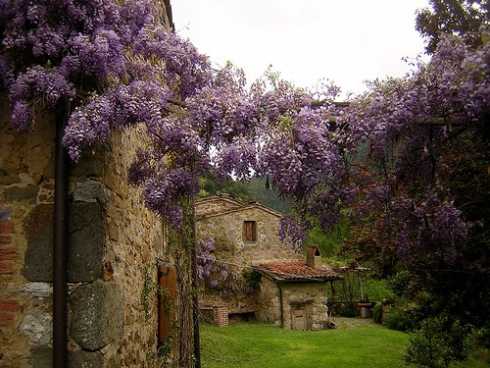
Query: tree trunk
{"points": [[186, 265]]}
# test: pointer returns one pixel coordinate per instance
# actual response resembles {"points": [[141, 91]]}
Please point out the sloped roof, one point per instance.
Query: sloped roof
{"points": [[224, 198], [239, 206], [296, 270]]}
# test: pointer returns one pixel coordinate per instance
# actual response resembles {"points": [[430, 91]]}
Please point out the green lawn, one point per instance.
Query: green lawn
{"points": [[258, 345]]}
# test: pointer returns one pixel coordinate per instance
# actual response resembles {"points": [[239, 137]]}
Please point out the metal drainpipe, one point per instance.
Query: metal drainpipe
{"points": [[60, 245]]}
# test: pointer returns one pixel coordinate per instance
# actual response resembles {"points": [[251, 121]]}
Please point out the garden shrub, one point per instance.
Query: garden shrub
{"points": [[481, 337], [437, 343], [378, 290], [400, 282], [400, 319], [378, 313], [348, 310]]}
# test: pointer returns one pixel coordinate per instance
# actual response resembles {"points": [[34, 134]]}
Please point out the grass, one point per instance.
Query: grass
{"points": [[247, 345], [355, 344]]}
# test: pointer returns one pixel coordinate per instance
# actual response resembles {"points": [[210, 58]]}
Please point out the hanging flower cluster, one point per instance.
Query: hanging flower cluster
{"points": [[405, 130], [71, 49], [210, 270], [119, 67]]}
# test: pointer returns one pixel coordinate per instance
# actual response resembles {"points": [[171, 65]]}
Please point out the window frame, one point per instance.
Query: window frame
{"points": [[245, 231]]}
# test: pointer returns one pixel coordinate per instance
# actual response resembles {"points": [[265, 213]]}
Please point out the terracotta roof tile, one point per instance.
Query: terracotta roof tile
{"points": [[297, 270]]}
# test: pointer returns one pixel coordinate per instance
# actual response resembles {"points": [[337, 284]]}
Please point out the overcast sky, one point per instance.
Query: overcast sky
{"points": [[305, 40]]}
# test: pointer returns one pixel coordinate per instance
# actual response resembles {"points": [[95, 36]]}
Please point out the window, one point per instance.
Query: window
{"points": [[250, 231]]}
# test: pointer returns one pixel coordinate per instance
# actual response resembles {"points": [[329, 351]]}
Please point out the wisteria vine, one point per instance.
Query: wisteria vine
{"points": [[119, 67], [408, 127]]}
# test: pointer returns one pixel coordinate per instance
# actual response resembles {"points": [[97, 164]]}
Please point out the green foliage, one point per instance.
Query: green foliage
{"points": [[165, 349], [481, 336], [377, 289], [253, 345], [478, 359], [329, 243], [212, 186], [349, 289], [252, 278], [151, 289], [399, 283], [378, 313], [437, 343], [254, 190], [260, 191], [348, 310], [453, 16], [400, 319], [147, 291]]}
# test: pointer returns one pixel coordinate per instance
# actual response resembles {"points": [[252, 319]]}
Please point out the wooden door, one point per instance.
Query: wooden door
{"points": [[298, 319]]}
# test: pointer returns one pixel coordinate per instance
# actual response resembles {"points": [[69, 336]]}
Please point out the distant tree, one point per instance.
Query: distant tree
{"points": [[466, 18]]}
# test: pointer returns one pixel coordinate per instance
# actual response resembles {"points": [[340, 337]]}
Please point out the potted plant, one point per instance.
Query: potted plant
{"points": [[365, 307]]}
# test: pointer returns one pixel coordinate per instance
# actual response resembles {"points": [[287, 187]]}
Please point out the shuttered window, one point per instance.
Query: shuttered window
{"points": [[250, 231]]}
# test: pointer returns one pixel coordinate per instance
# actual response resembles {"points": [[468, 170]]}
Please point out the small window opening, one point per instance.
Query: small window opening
{"points": [[250, 231]]}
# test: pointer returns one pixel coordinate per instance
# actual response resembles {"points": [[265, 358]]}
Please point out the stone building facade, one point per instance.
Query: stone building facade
{"points": [[293, 293], [292, 290], [226, 221], [114, 242]]}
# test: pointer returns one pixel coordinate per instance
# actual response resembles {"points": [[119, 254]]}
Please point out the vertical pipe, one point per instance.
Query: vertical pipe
{"points": [[60, 245]]}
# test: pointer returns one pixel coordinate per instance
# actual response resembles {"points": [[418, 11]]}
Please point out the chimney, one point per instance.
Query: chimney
{"points": [[312, 253]]}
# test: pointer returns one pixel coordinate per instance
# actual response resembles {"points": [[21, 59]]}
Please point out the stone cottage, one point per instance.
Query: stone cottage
{"points": [[291, 292], [244, 233], [113, 243]]}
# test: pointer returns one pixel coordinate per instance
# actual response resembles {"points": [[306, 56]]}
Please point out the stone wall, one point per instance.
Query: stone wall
{"points": [[307, 296], [114, 242], [268, 302], [26, 188], [134, 240]]}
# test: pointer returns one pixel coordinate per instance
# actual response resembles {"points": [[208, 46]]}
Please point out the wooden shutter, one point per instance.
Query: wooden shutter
{"points": [[250, 231], [167, 279]]}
